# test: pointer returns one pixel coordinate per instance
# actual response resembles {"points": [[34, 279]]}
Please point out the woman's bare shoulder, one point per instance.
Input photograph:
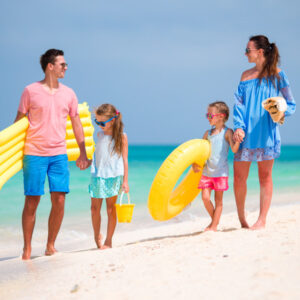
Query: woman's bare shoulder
{"points": [[248, 74]]}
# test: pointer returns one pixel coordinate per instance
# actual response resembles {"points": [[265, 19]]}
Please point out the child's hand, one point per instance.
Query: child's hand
{"points": [[238, 135], [125, 187], [196, 168]]}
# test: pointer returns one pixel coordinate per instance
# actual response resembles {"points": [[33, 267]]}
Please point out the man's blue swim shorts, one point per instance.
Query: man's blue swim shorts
{"points": [[35, 169]]}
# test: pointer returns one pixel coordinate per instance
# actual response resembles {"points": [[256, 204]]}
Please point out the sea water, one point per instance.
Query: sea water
{"points": [[144, 162]]}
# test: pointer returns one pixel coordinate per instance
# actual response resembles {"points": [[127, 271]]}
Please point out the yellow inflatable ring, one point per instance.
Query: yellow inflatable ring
{"points": [[12, 141], [164, 201]]}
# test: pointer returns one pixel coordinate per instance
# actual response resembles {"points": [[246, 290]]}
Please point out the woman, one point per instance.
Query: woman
{"points": [[253, 125]]}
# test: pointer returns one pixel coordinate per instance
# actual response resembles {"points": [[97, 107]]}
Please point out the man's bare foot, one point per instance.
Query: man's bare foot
{"points": [[26, 253], [258, 225], [98, 241], [50, 250]]}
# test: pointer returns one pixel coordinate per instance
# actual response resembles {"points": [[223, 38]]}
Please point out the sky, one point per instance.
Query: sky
{"points": [[159, 62]]}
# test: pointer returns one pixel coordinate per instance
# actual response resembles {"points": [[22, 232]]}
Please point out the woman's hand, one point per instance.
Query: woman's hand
{"points": [[239, 135], [196, 168], [125, 187]]}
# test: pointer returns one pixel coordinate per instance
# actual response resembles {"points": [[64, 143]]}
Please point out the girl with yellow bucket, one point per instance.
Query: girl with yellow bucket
{"points": [[109, 170]]}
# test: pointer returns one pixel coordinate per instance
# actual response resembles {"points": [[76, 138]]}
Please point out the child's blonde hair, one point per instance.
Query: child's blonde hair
{"points": [[117, 135], [222, 108]]}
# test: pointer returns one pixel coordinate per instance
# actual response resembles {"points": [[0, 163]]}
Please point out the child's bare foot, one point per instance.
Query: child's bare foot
{"points": [[244, 224], [210, 228], [98, 240], [50, 250], [104, 247], [107, 245], [26, 253], [258, 225]]}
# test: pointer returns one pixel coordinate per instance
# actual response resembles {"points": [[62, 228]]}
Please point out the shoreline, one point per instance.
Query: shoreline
{"points": [[175, 261], [77, 229]]}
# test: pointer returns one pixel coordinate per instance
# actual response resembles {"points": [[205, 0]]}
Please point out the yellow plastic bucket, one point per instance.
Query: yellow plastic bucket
{"points": [[124, 211]]}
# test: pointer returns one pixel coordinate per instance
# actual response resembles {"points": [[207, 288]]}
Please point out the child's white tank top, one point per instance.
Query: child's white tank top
{"points": [[217, 164], [106, 163]]}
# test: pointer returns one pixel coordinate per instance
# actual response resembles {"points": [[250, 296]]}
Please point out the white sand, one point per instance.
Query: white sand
{"points": [[177, 261]]}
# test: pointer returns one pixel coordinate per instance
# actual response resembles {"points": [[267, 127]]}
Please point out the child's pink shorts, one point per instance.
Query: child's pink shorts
{"points": [[214, 183]]}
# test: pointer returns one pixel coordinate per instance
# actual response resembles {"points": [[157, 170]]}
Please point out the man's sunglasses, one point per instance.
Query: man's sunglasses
{"points": [[102, 124]]}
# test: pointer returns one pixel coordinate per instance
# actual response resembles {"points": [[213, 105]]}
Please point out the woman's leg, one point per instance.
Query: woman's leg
{"points": [[241, 172], [96, 219], [111, 222], [266, 190]]}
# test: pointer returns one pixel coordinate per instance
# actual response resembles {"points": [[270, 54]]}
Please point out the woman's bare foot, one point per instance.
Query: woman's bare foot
{"points": [[50, 250], [26, 253], [258, 225], [98, 240]]}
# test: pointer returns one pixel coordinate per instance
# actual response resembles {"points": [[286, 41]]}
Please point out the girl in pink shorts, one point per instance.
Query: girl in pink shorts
{"points": [[215, 172]]}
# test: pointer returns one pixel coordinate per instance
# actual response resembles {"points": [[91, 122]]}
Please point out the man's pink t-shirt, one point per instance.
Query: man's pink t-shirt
{"points": [[47, 115]]}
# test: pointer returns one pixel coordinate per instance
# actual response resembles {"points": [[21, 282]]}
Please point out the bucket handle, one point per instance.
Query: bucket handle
{"points": [[121, 197]]}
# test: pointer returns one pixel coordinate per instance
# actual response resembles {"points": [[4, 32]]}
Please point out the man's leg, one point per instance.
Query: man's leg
{"points": [[58, 176], [55, 220], [34, 172], [28, 221]]}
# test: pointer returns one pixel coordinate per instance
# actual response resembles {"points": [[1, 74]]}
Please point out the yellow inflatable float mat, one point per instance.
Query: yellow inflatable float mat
{"points": [[164, 201], [12, 141]]}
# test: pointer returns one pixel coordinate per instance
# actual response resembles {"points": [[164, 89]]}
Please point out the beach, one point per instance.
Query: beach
{"points": [[172, 261]]}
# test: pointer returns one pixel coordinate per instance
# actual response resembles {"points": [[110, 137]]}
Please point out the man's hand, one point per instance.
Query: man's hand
{"points": [[83, 162]]}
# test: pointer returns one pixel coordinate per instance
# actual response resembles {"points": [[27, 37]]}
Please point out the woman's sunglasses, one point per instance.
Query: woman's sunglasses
{"points": [[102, 124], [248, 50], [211, 116]]}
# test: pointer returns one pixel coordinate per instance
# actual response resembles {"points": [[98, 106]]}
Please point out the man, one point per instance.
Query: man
{"points": [[47, 104]]}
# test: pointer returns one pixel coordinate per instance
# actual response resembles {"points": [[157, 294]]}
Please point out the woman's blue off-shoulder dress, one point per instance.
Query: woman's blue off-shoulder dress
{"points": [[262, 139]]}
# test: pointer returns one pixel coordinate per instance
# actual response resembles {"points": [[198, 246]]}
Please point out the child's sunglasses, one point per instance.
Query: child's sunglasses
{"points": [[102, 124], [211, 116]]}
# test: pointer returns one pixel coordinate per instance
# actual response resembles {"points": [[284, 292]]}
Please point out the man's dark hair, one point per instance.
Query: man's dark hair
{"points": [[49, 57]]}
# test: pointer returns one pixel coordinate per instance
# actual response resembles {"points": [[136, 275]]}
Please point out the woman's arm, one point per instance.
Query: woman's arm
{"points": [[125, 186], [239, 112], [290, 101]]}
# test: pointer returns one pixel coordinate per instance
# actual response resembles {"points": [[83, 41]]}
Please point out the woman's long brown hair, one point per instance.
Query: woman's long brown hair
{"points": [[117, 135], [271, 54]]}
